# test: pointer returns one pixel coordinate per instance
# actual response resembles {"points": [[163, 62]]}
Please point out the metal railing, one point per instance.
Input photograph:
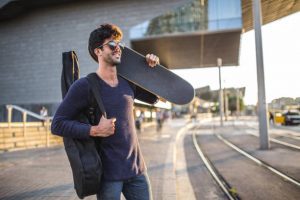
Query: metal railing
{"points": [[46, 120]]}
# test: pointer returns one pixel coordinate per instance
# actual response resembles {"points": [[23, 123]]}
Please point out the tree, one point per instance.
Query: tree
{"points": [[232, 102]]}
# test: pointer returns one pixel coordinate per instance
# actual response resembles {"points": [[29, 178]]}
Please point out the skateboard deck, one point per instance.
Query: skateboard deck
{"points": [[158, 80]]}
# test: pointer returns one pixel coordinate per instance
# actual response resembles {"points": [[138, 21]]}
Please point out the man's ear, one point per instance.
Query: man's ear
{"points": [[97, 51]]}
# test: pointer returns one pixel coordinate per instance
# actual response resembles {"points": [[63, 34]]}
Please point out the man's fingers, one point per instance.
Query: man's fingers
{"points": [[148, 58], [113, 120], [151, 57], [105, 119], [152, 60], [106, 127], [156, 60]]}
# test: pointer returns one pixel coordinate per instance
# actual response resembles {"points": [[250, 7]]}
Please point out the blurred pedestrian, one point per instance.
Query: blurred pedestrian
{"points": [[139, 122], [271, 117], [159, 119], [44, 114]]}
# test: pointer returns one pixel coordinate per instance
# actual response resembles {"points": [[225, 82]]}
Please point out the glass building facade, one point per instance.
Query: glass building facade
{"points": [[196, 16]]}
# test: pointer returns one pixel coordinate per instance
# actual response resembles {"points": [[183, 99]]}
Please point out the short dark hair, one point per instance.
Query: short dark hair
{"points": [[100, 34]]}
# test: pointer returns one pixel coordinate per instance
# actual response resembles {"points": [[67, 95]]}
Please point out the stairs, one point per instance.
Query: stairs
{"points": [[19, 136]]}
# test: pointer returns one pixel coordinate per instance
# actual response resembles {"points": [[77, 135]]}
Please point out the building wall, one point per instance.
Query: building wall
{"points": [[31, 45]]}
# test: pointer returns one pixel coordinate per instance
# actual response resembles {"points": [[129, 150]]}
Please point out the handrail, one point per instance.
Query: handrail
{"points": [[32, 114], [45, 123]]}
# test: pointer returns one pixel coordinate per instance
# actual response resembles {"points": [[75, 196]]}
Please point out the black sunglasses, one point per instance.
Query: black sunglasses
{"points": [[113, 45]]}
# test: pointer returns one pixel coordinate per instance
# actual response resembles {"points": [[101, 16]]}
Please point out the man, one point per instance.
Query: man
{"points": [[124, 170], [43, 113], [159, 119]]}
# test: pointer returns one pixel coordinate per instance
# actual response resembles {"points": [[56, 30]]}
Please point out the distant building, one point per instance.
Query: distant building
{"points": [[35, 33], [284, 103], [213, 95]]}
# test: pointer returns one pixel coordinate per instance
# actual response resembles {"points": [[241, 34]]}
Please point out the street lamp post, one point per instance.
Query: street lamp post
{"points": [[219, 63], [237, 102], [226, 106], [262, 107]]}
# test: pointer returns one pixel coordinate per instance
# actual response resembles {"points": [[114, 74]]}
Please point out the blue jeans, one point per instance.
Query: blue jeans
{"points": [[136, 188]]}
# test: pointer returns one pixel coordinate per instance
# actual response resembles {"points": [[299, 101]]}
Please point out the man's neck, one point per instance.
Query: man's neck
{"points": [[108, 74]]}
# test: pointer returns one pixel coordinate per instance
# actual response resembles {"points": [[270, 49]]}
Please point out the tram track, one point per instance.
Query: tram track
{"points": [[222, 183], [260, 162], [192, 177], [276, 137], [276, 140], [289, 145], [287, 136], [222, 179]]}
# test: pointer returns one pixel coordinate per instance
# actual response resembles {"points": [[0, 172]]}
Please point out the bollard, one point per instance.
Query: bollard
{"points": [[24, 128], [47, 122], [24, 123], [9, 115]]}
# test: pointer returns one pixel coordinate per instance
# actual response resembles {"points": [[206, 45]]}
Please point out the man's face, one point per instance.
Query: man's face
{"points": [[111, 51]]}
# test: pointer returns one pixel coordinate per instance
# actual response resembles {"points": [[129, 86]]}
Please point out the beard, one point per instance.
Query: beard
{"points": [[116, 61], [113, 60]]}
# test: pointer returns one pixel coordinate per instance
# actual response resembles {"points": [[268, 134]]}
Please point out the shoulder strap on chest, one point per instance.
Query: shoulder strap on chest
{"points": [[94, 84]]}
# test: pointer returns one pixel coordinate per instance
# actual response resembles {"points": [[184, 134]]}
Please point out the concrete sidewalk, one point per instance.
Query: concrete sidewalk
{"points": [[45, 173]]}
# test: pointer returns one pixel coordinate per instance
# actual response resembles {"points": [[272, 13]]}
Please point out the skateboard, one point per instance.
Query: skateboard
{"points": [[158, 80]]}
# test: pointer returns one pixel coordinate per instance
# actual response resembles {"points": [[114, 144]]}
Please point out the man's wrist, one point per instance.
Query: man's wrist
{"points": [[93, 131]]}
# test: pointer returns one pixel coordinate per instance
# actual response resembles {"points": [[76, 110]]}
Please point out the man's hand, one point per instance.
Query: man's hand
{"points": [[105, 128], [152, 60]]}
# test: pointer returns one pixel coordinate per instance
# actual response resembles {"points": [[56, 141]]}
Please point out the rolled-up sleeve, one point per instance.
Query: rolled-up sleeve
{"points": [[65, 122]]}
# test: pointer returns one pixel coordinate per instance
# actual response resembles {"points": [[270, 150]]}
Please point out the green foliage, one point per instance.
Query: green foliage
{"points": [[232, 103]]}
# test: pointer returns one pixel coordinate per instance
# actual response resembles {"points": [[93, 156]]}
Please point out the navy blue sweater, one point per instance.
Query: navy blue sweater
{"points": [[120, 152]]}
